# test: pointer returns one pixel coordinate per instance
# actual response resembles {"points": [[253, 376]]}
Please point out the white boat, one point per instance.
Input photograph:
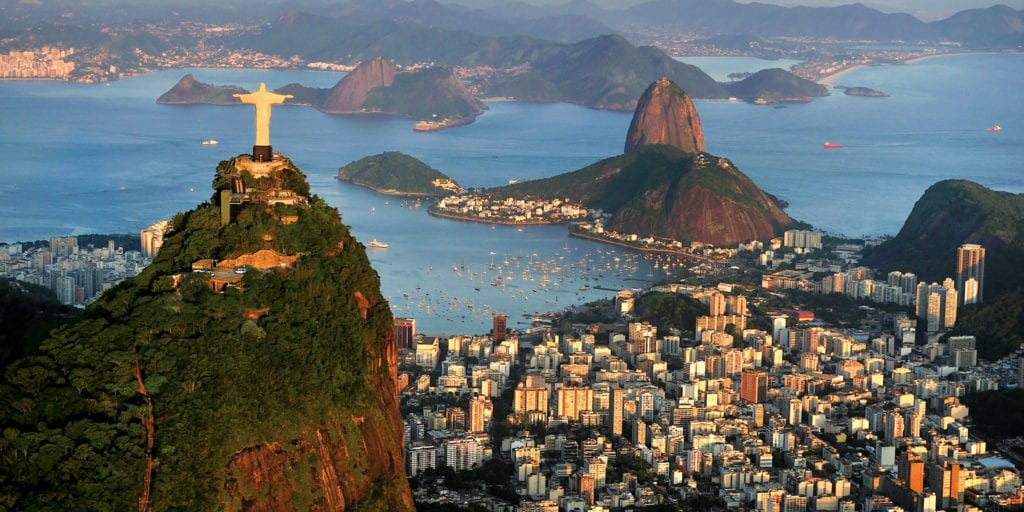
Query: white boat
{"points": [[375, 244], [210, 142]]}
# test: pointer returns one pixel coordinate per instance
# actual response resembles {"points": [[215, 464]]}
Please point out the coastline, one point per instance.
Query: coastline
{"points": [[828, 79], [478, 220], [388, 191]]}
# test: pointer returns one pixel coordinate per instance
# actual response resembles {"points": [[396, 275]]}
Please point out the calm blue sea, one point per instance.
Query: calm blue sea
{"points": [[106, 158]]}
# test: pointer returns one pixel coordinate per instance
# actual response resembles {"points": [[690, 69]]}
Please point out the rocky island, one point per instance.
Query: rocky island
{"points": [[862, 91], [398, 174]]}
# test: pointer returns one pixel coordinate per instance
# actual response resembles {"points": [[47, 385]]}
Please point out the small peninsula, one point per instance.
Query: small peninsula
{"points": [[189, 91], [398, 174], [862, 91]]}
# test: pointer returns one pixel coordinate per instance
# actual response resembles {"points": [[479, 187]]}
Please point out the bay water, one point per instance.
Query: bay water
{"points": [[105, 158]]}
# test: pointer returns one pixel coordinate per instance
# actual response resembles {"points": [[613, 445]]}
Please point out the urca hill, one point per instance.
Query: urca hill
{"points": [[251, 367], [665, 185]]}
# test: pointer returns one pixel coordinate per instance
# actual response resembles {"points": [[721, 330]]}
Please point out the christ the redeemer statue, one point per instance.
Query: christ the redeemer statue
{"points": [[263, 99]]}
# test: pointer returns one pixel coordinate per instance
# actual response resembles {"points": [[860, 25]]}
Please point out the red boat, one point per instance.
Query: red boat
{"points": [[995, 128], [831, 145]]}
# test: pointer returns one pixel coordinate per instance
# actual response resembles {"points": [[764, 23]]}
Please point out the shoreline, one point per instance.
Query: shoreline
{"points": [[478, 220], [829, 78]]}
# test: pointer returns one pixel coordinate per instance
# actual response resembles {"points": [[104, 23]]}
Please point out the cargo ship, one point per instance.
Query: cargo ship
{"points": [[832, 145]]}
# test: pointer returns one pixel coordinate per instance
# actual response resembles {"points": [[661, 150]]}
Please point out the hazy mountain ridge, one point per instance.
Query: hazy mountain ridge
{"points": [[605, 72], [987, 27]]}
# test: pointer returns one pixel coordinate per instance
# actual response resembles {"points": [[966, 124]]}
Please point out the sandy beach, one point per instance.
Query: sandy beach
{"points": [[828, 79]]}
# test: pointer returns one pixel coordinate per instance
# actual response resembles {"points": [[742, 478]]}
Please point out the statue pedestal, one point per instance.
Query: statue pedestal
{"points": [[262, 153]]}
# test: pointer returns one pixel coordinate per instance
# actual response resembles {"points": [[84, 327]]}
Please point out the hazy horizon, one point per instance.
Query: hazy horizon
{"points": [[926, 10]]}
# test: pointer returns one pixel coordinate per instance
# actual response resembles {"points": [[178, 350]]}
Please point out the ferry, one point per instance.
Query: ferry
{"points": [[210, 142], [832, 145], [994, 128], [375, 244]]}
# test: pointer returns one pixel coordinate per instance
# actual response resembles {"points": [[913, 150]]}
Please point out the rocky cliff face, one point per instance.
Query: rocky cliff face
{"points": [[349, 94], [665, 115]]}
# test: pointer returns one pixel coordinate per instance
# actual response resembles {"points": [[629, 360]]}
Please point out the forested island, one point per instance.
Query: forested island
{"points": [[398, 174]]}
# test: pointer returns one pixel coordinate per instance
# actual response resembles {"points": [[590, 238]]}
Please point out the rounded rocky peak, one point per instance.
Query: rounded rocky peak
{"points": [[665, 115]]}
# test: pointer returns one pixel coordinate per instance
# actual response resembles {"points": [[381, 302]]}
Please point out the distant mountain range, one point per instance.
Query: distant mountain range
{"points": [[989, 27], [998, 25]]}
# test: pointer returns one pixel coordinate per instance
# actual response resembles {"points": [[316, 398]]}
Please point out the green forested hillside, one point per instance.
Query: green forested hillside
{"points": [[776, 84], [167, 388], [394, 172], [429, 94]]}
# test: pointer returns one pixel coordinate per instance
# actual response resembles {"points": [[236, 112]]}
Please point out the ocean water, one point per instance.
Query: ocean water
{"points": [[106, 158]]}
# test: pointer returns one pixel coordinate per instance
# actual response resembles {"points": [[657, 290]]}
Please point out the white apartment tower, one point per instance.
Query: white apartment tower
{"points": [[970, 264]]}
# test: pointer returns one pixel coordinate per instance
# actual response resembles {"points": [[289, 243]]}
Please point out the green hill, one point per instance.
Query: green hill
{"points": [[951, 213], [211, 389], [665, 192], [27, 314], [774, 85], [431, 93], [397, 174]]}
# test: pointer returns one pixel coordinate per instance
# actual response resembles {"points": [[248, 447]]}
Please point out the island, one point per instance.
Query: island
{"points": [[776, 85], [398, 174], [862, 91]]}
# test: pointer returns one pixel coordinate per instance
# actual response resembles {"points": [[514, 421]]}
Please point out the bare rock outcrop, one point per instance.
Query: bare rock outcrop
{"points": [[349, 94], [665, 115]]}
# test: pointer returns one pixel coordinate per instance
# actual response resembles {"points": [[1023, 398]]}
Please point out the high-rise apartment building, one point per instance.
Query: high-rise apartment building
{"points": [[574, 400], [499, 328], [477, 409], [405, 332], [970, 264], [618, 397], [152, 238], [937, 305], [754, 386], [528, 399]]}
